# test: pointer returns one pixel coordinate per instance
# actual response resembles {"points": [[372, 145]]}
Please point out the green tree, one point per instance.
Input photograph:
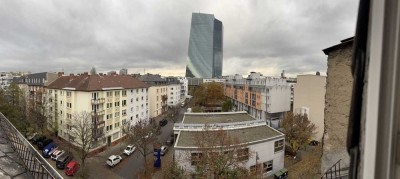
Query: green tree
{"points": [[209, 94], [227, 105], [298, 130]]}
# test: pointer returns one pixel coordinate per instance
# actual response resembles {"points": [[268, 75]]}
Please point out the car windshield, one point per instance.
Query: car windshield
{"points": [[128, 148], [110, 160]]}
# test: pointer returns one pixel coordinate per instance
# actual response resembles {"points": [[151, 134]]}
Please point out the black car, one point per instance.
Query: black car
{"points": [[63, 160], [163, 122], [38, 139], [43, 143]]}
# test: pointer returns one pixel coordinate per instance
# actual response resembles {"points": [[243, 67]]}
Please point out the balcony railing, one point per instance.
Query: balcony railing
{"points": [[98, 113], [336, 172], [33, 162], [98, 101]]}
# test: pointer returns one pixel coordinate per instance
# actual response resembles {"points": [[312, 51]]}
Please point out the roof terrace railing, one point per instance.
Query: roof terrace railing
{"points": [[33, 162], [217, 126]]}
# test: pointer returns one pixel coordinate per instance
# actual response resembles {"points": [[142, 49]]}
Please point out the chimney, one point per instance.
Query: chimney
{"points": [[71, 74], [59, 74], [86, 73], [101, 74]]}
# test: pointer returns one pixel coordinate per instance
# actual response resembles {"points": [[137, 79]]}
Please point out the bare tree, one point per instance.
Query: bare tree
{"points": [[141, 135], [81, 132], [298, 130], [219, 156]]}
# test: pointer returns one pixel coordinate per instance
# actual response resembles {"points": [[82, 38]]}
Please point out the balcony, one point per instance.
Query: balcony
{"points": [[32, 164], [98, 113], [98, 101]]}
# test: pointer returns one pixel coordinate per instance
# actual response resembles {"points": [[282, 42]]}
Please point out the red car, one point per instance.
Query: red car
{"points": [[71, 168]]}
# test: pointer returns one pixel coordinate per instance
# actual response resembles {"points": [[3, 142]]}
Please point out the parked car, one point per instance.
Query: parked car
{"points": [[113, 160], [37, 139], [63, 160], [71, 168], [49, 149], [43, 143], [163, 122], [129, 150], [162, 150], [56, 154]]}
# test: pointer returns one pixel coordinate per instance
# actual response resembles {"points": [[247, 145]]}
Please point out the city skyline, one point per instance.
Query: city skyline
{"points": [[153, 36], [205, 54]]}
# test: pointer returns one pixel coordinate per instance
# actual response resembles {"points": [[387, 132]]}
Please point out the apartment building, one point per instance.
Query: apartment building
{"points": [[157, 93], [174, 91], [265, 98], [5, 80], [184, 87], [37, 83], [114, 101], [264, 143], [309, 99]]}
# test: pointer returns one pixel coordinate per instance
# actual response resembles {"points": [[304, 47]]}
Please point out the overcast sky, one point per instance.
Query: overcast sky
{"points": [[266, 36]]}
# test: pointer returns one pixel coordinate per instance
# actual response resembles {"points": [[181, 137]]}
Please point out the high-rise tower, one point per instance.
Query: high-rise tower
{"points": [[205, 47]]}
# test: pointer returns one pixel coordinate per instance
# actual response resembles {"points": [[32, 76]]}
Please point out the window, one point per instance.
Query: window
{"points": [[109, 116], [195, 158], [142, 98], [109, 105], [157, 90], [116, 114], [95, 95], [116, 104], [137, 91], [69, 105], [142, 89], [157, 98], [124, 112], [267, 166], [50, 91], [137, 116], [123, 102], [278, 145], [68, 93], [131, 100], [109, 94], [137, 99], [243, 154], [124, 93]]}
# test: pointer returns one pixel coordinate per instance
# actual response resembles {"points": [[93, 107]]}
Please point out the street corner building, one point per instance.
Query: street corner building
{"points": [[205, 51], [262, 147], [113, 101]]}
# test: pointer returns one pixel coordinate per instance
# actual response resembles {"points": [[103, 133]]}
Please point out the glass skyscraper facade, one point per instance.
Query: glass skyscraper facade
{"points": [[205, 47]]}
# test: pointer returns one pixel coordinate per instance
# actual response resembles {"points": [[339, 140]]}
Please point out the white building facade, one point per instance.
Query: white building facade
{"points": [[264, 143], [174, 94]]}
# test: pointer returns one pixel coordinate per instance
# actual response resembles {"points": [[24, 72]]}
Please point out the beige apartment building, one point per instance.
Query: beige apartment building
{"points": [[309, 98], [158, 98], [113, 101]]}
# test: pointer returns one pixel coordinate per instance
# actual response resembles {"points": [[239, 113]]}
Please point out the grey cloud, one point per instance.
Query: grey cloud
{"points": [[258, 35]]}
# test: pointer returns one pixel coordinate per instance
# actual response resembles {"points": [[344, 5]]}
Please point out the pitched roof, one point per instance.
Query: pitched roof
{"points": [[151, 78], [87, 82]]}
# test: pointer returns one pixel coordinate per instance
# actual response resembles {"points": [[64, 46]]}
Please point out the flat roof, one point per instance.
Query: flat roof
{"points": [[209, 118], [244, 135]]}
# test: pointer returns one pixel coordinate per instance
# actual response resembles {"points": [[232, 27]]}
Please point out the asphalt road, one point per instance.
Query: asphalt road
{"points": [[132, 165]]}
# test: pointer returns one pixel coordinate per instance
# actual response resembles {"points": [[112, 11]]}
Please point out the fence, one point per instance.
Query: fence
{"points": [[33, 162]]}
